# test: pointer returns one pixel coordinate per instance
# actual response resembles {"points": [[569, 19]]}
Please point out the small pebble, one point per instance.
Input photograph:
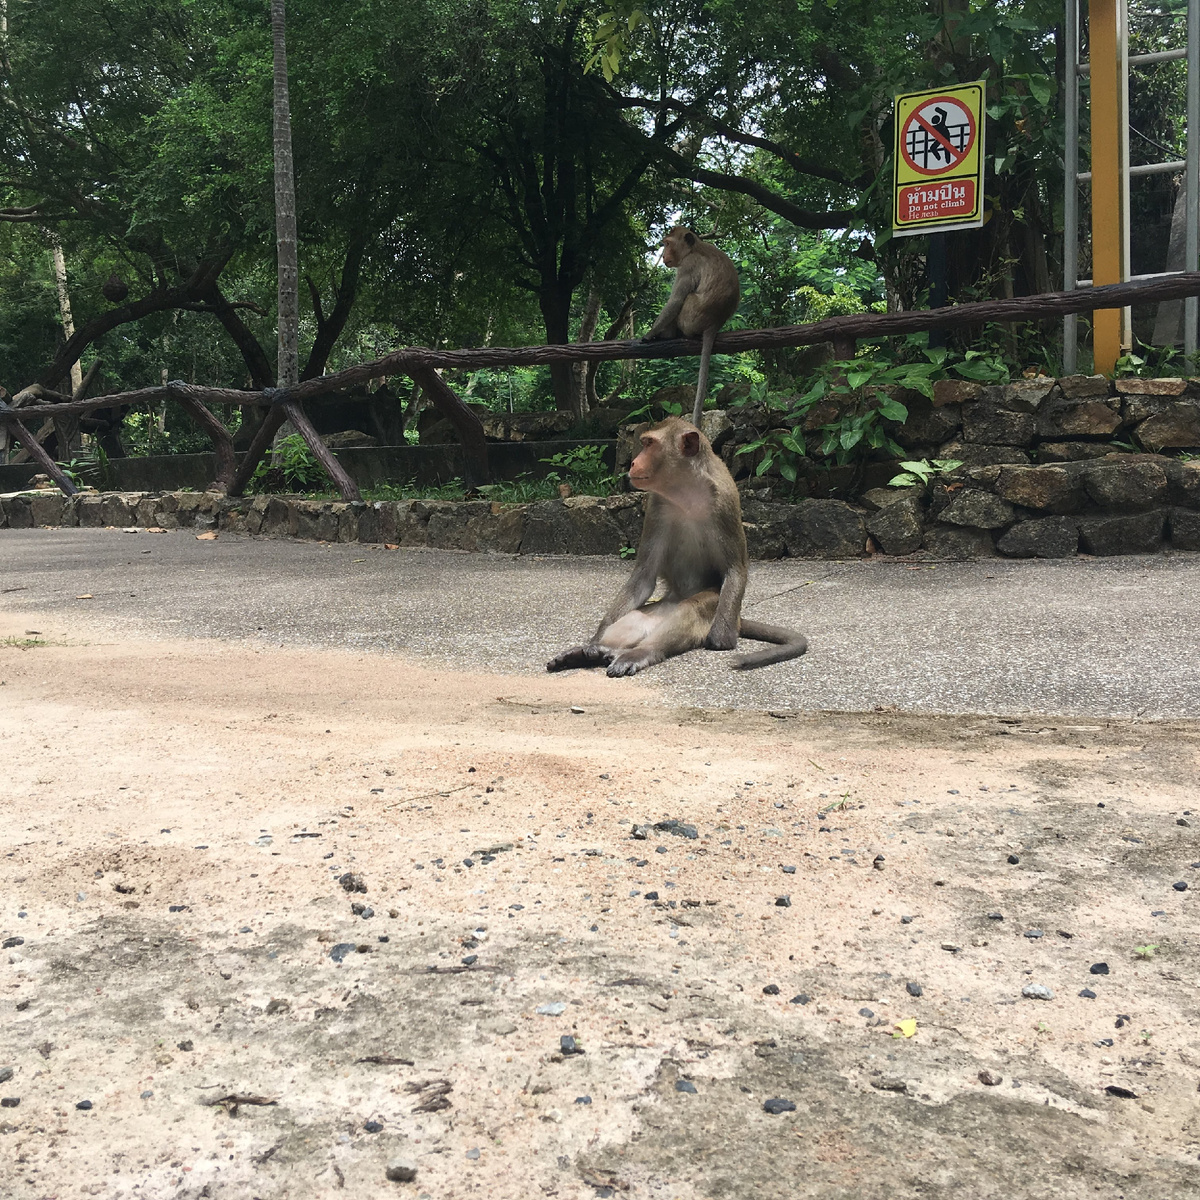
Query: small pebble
{"points": [[473, 1154], [995, 916], [146, 1095], [185, 1045], [913, 989], [783, 902], [568, 1045], [906, 920], [1122, 1093], [878, 861], [651, 896], [686, 1085], [470, 960], [339, 952], [1181, 886], [6, 1073], [1037, 991], [555, 1008], [1088, 994], [788, 870], [801, 998], [1098, 969], [1013, 859], [84, 1105], [1034, 933], [10, 1101], [865, 1012], [775, 1107], [990, 1079], [176, 908], [10, 942], [583, 1099], [772, 989], [401, 1170]]}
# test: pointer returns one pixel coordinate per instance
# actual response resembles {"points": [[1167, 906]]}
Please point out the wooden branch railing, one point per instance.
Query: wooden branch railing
{"points": [[420, 364]]}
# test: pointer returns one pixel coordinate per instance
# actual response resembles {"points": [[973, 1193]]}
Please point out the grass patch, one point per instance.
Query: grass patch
{"points": [[23, 643]]}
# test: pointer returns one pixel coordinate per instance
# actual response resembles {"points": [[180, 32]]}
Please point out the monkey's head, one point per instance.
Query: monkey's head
{"points": [[671, 452], [677, 245]]}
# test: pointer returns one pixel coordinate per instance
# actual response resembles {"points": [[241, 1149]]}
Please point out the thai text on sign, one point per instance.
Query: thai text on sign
{"points": [[939, 160]]}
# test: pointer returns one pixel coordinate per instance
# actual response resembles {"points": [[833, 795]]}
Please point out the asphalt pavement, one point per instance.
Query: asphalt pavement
{"points": [[1083, 637]]}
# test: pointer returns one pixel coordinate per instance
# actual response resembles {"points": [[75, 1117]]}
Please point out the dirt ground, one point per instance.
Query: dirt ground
{"points": [[159, 964]]}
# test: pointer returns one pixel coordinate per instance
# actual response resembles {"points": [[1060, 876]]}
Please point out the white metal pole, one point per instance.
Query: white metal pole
{"points": [[1192, 177], [1071, 185]]}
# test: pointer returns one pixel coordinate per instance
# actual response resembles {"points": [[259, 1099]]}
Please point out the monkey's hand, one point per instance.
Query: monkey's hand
{"points": [[721, 637]]}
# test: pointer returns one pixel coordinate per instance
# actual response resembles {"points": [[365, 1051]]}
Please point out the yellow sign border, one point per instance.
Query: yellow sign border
{"points": [[972, 96]]}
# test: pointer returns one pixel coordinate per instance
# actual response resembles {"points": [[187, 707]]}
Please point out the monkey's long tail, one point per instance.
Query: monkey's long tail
{"points": [[787, 644], [710, 337]]}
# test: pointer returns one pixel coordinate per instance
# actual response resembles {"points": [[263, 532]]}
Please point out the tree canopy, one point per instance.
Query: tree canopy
{"points": [[474, 172]]}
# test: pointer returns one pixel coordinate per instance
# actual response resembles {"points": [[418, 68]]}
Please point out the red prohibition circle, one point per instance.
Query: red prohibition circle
{"points": [[913, 119]]}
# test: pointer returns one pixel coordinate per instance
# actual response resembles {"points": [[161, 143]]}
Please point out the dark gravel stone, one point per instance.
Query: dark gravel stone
{"points": [[401, 1170], [1098, 969], [1013, 859], [9, 943], [678, 828], [146, 1095], [772, 989], [995, 916], [1034, 933], [865, 1012], [990, 1079], [1122, 1093], [651, 896], [660, 849], [878, 861], [6, 1073], [913, 989], [801, 998], [339, 952], [686, 1085], [1088, 994], [468, 862], [583, 1099], [185, 1045], [1181, 886], [906, 920], [470, 960], [84, 1105], [775, 1107], [177, 908], [352, 883], [568, 1045], [789, 870], [10, 1102], [783, 902], [374, 1127]]}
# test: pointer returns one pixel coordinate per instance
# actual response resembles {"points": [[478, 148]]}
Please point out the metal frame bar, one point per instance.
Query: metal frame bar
{"points": [[1073, 176]]}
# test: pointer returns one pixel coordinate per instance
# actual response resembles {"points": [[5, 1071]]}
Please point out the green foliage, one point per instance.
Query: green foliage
{"points": [[583, 469], [294, 469], [1146, 952], [920, 472], [90, 469]]}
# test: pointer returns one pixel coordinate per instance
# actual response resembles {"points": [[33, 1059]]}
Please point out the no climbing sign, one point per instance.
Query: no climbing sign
{"points": [[939, 160]]}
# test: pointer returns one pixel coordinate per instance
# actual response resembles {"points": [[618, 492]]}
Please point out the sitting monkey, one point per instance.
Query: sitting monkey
{"points": [[693, 540]]}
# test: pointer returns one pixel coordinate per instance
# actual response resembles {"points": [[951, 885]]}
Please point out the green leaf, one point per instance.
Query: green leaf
{"points": [[893, 410], [788, 471], [850, 438], [857, 378]]}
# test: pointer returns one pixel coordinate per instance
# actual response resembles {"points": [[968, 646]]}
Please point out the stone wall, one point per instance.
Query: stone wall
{"points": [[1040, 478]]}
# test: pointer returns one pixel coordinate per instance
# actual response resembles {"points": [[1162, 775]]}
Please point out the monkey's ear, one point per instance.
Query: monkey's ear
{"points": [[690, 238], [689, 443]]}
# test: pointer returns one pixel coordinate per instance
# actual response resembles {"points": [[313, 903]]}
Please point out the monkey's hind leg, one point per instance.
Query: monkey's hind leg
{"points": [[630, 662], [580, 656]]}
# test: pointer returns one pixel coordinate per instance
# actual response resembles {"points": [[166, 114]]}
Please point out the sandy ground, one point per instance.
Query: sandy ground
{"points": [[168, 965]]}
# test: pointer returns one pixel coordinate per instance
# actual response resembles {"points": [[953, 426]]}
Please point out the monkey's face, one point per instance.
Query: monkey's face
{"points": [[663, 464], [677, 245]]}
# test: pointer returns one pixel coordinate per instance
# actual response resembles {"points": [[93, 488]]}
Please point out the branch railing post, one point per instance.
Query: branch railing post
{"points": [[215, 428], [421, 364], [476, 469], [36, 450]]}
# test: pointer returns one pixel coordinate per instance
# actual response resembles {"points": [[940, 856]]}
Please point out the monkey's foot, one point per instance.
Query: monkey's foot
{"points": [[633, 662], [580, 656]]}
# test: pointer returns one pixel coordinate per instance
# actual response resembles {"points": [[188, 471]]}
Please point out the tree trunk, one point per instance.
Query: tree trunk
{"points": [[584, 371], [288, 303], [66, 430]]}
